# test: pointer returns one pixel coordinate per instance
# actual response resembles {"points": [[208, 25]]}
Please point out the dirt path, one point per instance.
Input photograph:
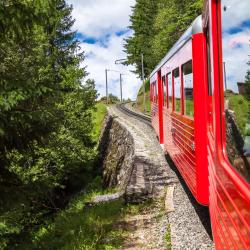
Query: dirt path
{"points": [[146, 230], [174, 222]]}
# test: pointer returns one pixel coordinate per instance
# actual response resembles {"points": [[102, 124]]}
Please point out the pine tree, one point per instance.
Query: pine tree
{"points": [[157, 25], [172, 19], [142, 20]]}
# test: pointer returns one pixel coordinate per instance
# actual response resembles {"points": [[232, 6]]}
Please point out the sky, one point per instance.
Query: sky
{"points": [[236, 40], [102, 26]]}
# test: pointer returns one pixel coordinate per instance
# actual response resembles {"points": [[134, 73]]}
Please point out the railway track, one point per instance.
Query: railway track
{"points": [[143, 118], [190, 222]]}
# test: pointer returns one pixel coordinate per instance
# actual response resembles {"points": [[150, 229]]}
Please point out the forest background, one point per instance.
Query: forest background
{"points": [[48, 112]]}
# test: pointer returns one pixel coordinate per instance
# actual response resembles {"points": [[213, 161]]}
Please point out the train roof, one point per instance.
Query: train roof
{"points": [[195, 28]]}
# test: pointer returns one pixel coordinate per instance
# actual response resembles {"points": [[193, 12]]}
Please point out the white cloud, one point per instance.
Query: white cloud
{"points": [[234, 12], [95, 18], [101, 21], [236, 58], [98, 58], [236, 41]]}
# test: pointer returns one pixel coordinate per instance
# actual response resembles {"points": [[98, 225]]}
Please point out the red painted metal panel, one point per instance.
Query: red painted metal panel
{"points": [[229, 194], [179, 129], [160, 106], [186, 146], [200, 115]]}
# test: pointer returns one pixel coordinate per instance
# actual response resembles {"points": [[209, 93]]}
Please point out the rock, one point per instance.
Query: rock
{"points": [[127, 160]]}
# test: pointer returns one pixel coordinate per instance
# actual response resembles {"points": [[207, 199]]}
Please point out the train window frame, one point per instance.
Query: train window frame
{"points": [[235, 164], [174, 94], [183, 88]]}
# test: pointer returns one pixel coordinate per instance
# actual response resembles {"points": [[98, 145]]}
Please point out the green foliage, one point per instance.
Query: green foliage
{"points": [[98, 117], [172, 19], [80, 226], [157, 25], [47, 147], [239, 104], [168, 237], [112, 99], [247, 78], [142, 20], [189, 109], [140, 98]]}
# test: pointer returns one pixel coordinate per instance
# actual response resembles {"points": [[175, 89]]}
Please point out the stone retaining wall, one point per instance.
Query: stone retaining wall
{"points": [[127, 161]]}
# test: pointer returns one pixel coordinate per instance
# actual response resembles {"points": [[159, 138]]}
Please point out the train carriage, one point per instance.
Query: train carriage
{"points": [[177, 84], [200, 105]]}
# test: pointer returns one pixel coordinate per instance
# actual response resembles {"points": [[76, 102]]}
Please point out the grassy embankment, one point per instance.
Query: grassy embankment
{"points": [[98, 117], [79, 226], [240, 105], [73, 227], [139, 99]]}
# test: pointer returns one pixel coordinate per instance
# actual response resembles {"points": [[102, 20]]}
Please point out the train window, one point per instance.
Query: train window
{"points": [[177, 90], [164, 90], [188, 89], [210, 88], [236, 67], [170, 90], [156, 92], [151, 92], [210, 83]]}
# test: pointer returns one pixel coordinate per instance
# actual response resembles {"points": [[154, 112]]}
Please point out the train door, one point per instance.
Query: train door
{"points": [[229, 124], [154, 104], [160, 105]]}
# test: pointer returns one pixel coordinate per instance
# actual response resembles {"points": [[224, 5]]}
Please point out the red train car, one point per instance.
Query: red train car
{"points": [[200, 105]]}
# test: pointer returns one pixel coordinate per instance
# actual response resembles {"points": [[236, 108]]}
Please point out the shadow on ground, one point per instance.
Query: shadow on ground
{"points": [[202, 211]]}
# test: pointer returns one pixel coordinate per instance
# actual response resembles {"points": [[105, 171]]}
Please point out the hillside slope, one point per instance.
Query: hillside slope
{"points": [[139, 99]]}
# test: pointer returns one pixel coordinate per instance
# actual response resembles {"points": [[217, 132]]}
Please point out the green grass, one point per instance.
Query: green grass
{"points": [[189, 108], [139, 99], [98, 117], [177, 105], [83, 227], [240, 105], [168, 237], [20, 220], [80, 226]]}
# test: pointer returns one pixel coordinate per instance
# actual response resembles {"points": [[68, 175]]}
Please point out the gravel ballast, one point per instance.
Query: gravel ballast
{"points": [[187, 220]]}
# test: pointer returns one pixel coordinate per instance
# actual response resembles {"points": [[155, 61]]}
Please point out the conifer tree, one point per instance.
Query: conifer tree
{"points": [[140, 42], [46, 109], [157, 25]]}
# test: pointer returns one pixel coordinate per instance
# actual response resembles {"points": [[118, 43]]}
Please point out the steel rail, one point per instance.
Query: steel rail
{"points": [[143, 118]]}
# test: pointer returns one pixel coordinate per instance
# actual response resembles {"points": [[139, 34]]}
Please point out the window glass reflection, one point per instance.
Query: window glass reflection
{"points": [[156, 92], [177, 90], [188, 89], [170, 90], [164, 90], [236, 67]]}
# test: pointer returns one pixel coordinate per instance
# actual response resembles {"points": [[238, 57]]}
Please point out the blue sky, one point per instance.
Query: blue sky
{"points": [[236, 40], [102, 27]]}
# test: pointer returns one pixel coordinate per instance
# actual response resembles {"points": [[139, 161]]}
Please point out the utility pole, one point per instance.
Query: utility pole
{"points": [[106, 74], [225, 75], [121, 86], [144, 87]]}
